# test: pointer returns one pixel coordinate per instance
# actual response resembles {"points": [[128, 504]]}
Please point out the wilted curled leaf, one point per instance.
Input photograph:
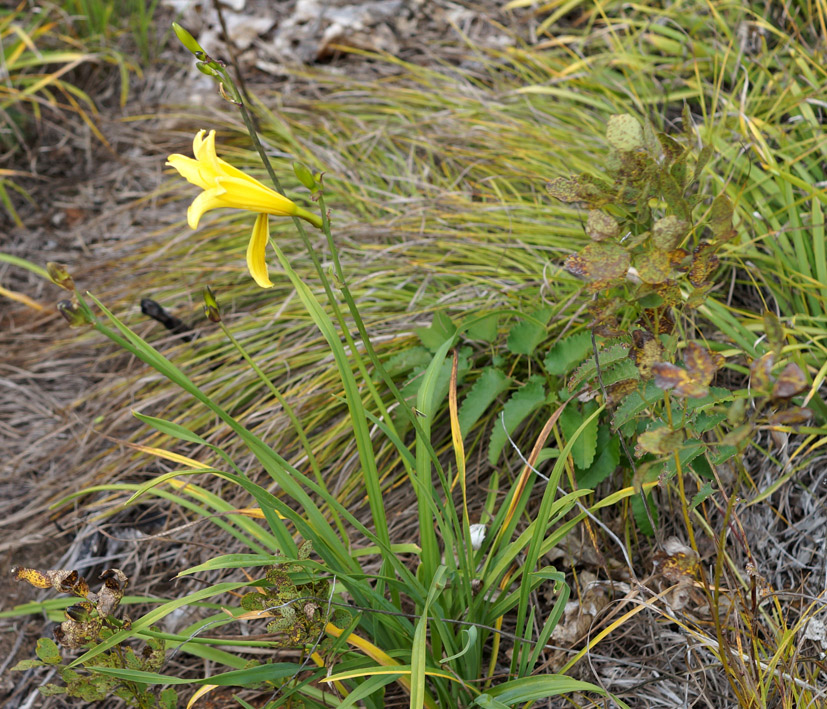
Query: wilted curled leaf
{"points": [[599, 264], [791, 417], [790, 382], [645, 352], [660, 441], [759, 372], [668, 232], [624, 133], [601, 226], [704, 264], [63, 580], [109, 597]]}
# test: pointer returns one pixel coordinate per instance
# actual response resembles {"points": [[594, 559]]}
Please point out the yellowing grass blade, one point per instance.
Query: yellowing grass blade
{"points": [[206, 689]]}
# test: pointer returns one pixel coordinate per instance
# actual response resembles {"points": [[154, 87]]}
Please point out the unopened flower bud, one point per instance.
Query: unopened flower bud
{"points": [[60, 275], [186, 39], [208, 69], [305, 176], [211, 308], [73, 313]]}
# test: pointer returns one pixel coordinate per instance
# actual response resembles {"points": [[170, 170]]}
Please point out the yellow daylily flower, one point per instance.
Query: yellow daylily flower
{"points": [[226, 186]]}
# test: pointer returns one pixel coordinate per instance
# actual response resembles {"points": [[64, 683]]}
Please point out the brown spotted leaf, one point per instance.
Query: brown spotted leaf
{"points": [[624, 133], [701, 363], [704, 264], [670, 376], [646, 350], [790, 382], [670, 292], [660, 441], [790, 417], [64, 580], [658, 320], [759, 372], [618, 391], [601, 226], [580, 188], [668, 232], [672, 149], [600, 264], [110, 595], [654, 266]]}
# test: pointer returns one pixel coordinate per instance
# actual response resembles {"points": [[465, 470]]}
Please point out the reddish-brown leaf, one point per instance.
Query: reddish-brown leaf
{"points": [[790, 382], [790, 417], [759, 372], [701, 363], [669, 376]]}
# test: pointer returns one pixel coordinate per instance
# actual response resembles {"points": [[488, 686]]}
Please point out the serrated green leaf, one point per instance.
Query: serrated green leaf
{"points": [[690, 450], [608, 356], [441, 329], [585, 446], [522, 404], [525, 335], [620, 371], [568, 353], [605, 462], [636, 402], [705, 491], [490, 384], [406, 360], [716, 395], [484, 329]]}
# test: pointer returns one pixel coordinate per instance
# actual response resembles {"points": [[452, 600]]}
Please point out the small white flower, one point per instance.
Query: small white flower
{"points": [[477, 535]]}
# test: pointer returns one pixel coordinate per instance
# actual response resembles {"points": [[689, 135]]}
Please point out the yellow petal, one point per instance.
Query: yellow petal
{"points": [[207, 200], [256, 256], [248, 193], [189, 169]]}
